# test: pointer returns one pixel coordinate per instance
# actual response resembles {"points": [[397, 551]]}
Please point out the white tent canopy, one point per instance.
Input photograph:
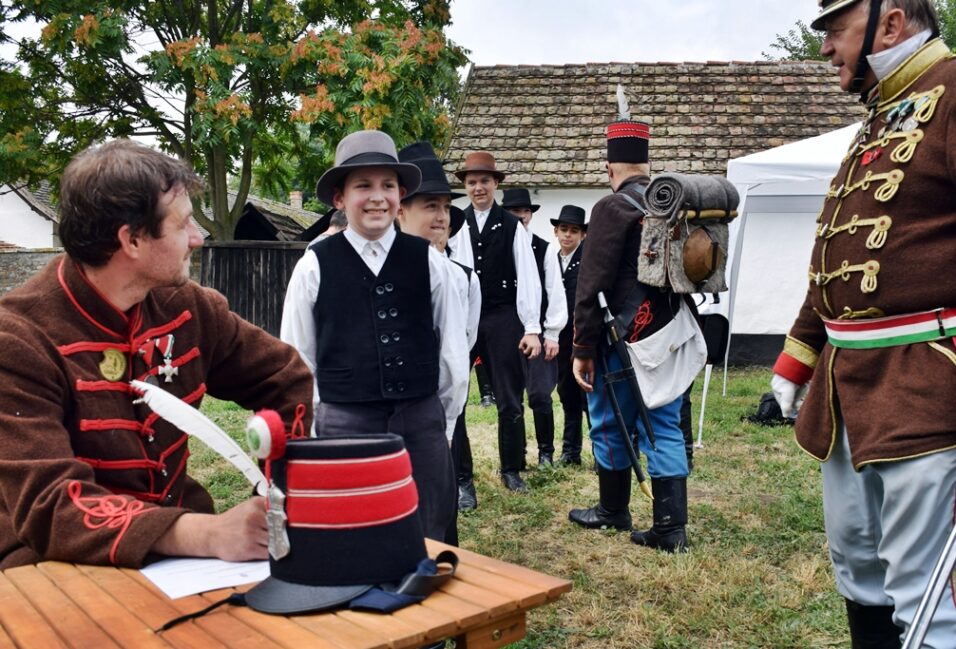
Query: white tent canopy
{"points": [[781, 194]]}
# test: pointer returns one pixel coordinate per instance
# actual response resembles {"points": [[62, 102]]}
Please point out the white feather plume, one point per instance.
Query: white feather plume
{"points": [[623, 108], [192, 422]]}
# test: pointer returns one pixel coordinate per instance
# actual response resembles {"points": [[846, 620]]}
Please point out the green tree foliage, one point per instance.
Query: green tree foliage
{"points": [[232, 86], [803, 44], [799, 44]]}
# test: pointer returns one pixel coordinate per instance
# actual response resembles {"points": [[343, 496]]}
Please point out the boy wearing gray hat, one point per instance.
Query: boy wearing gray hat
{"points": [[374, 313]]}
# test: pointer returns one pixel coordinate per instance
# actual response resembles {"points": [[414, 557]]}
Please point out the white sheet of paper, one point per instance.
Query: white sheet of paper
{"points": [[182, 577]]}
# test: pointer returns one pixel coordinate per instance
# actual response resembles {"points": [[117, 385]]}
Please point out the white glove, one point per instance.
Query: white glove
{"points": [[788, 394]]}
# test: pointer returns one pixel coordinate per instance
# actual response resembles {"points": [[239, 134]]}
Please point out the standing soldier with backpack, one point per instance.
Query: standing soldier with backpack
{"points": [[610, 266]]}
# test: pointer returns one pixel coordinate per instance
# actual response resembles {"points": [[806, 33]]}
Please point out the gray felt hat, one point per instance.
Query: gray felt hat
{"points": [[366, 149]]}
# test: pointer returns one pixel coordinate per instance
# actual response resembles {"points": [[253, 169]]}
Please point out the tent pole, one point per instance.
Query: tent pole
{"points": [[734, 275], [703, 406]]}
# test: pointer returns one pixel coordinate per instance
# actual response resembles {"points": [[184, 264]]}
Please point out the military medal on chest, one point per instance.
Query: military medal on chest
{"points": [[167, 369]]}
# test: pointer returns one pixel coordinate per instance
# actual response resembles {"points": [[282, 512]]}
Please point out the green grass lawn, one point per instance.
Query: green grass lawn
{"points": [[757, 574]]}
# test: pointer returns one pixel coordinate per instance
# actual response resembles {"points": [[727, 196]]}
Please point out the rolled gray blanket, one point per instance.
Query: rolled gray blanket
{"points": [[670, 193]]}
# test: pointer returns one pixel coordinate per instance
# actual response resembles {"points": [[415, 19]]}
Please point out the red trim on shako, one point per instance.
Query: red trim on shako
{"points": [[348, 473], [351, 509], [628, 129]]}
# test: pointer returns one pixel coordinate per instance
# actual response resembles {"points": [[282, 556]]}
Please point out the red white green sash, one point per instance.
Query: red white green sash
{"points": [[892, 330]]}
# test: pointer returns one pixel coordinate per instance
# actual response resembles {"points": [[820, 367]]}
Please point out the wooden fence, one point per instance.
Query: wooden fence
{"points": [[253, 275]]}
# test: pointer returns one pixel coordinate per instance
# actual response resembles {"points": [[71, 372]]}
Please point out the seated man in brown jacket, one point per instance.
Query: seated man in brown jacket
{"points": [[87, 474]]}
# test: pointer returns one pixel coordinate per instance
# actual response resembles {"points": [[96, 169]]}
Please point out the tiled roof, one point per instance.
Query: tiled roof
{"points": [[4, 246], [288, 221], [546, 124], [39, 200]]}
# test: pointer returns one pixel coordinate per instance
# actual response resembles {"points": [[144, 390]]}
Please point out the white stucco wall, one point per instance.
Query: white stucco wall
{"points": [[20, 225]]}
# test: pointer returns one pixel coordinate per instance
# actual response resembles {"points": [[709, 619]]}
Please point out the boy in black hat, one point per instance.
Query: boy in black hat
{"points": [[570, 231], [541, 373], [428, 213], [375, 315]]}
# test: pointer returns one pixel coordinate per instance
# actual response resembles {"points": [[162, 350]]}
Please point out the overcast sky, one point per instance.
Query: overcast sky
{"points": [[581, 31]]}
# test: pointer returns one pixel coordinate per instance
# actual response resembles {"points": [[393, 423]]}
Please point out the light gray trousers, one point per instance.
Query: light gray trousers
{"points": [[886, 527]]}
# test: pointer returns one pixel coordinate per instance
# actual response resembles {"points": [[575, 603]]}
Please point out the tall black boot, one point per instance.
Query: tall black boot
{"points": [[670, 516], [544, 434], [571, 447], [872, 627], [510, 452], [614, 489], [687, 427]]}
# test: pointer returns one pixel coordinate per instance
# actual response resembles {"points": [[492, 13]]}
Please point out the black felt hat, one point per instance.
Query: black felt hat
{"points": [[518, 197], [571, 215], [434, 180], [365, 149], [349, 508]]}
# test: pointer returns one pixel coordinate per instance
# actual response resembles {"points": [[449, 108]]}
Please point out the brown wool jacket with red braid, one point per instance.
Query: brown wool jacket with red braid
{"points": [[86, 475], [609, 266], [885, 245]]}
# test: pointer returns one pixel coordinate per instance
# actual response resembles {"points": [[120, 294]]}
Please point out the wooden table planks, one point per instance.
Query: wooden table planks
{"points": [[56, 604]]}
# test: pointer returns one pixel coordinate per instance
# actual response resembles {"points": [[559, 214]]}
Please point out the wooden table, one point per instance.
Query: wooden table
{"points": [[64, 605]]}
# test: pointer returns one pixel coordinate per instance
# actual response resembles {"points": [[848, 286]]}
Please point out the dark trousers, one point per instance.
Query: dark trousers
{"points": [[572, 398], [421, 424], [542, 376], [499, 332]]}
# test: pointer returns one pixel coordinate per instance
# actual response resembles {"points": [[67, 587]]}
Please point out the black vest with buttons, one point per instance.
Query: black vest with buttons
{"points": [[540, 248], [493, 250], [570, 277], [375, 335]]}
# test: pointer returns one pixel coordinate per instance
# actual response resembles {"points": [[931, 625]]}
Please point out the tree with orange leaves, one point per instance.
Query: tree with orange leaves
{"points": [[253, 93]]}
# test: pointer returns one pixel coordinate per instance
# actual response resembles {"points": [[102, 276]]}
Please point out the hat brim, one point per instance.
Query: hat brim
{"points": [[818, 23], [533, 208], [285, 598], [557, 222], [434, 188], [409, 177], [457, 220], [460, 175]]}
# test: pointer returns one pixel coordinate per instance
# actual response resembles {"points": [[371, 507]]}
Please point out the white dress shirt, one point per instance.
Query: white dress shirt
{"points": [[529, 285], [469, 291], [556, 315], [298, 323], [566, 259]]}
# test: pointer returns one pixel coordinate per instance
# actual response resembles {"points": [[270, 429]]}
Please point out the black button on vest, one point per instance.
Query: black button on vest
{"points": [[375, 338]]}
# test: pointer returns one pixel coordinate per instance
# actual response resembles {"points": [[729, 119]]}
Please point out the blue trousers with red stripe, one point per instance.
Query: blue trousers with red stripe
{"points": [[670, 458]]}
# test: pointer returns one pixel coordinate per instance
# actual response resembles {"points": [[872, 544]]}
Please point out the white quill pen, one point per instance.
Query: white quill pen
{"points": [[623, 109], [192, 422]]}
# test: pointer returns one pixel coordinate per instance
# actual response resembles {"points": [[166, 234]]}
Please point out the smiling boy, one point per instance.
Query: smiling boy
{"points": [[374, 313]]}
